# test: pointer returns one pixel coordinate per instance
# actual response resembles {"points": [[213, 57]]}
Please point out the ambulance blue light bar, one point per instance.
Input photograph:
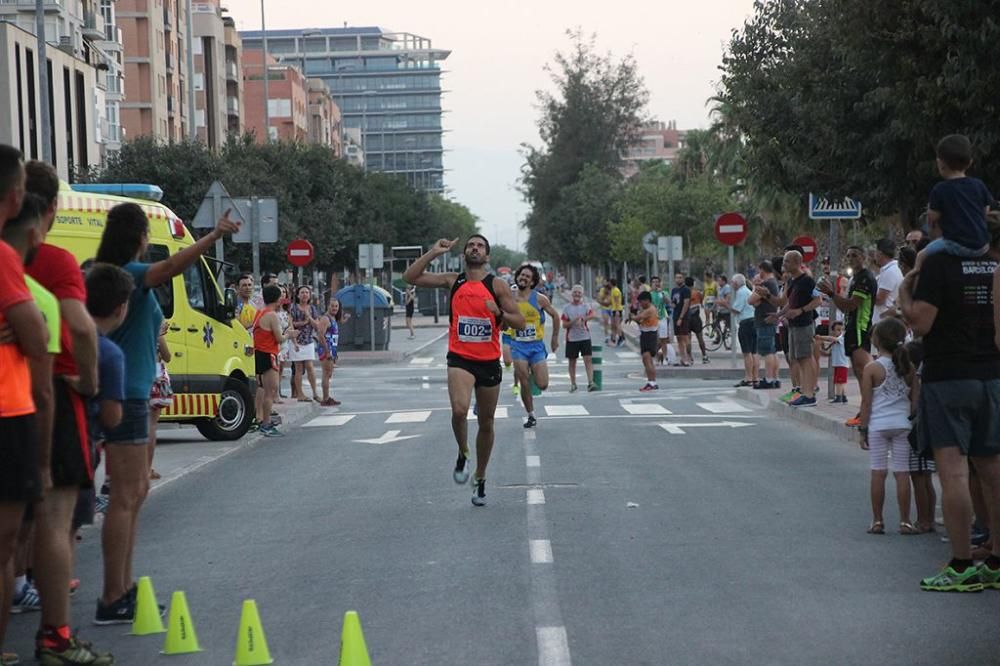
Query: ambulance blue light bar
{"points": [[130, 190]]}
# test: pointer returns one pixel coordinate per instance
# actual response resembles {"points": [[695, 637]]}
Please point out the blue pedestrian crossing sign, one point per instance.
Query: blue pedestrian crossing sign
{"points": [[821, 208]]}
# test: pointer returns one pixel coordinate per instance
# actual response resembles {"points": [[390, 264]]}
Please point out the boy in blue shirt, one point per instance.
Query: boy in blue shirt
{"points": [[958, 204]]}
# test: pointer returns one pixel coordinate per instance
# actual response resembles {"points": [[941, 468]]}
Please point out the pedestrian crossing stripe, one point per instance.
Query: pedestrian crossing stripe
{"points": [[421, 360], [501, 413], [566, 410], [723, 407], [408, 417], [646, 408], [330, 420]]}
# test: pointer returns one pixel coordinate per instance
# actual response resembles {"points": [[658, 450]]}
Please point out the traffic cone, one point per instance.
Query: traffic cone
{"points": [[251, 646], [181, 637], [353, 651], [147, 618]]}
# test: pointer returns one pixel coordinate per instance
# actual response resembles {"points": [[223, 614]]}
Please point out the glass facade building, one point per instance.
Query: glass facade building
{"points": [[387, 84]]}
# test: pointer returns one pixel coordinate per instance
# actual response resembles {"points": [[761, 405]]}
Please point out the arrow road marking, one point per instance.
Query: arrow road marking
{"points": [[389, 437], [678, 428]]}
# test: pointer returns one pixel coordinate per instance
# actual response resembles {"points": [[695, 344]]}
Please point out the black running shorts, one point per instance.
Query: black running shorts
{"points": [[487, 373], [19, 478]]}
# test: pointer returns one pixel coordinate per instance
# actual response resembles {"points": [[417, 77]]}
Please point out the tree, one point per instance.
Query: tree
{"points": [[501, 255], [849, 97], [587, 123]]}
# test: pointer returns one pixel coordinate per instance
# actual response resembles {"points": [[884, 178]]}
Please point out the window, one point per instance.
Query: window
{"points": [[279, 107], [165, 292]]}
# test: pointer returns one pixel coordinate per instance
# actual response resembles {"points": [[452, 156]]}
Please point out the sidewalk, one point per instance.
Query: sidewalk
{"points": [[824, 416], [401, 346]]}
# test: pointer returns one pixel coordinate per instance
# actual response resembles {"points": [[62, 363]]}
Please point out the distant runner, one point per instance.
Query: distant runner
{"points": [[478, 300], [528, 348], [575, 317]]}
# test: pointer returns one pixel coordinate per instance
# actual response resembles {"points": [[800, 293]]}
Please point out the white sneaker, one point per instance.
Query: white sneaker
{"points": [[461, 473]]}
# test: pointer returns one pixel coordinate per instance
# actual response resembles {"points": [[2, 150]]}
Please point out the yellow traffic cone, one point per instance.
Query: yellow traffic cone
{"points": [[181, 637], [147, 618], [353, 651], [251, 646]]}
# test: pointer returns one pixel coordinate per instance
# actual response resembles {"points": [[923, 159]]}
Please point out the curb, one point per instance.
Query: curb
{"points": [[296, 414], [809, 417]]}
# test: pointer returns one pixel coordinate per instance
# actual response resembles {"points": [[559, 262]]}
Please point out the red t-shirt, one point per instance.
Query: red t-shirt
{"points": [[15, 376], [56, 269]]}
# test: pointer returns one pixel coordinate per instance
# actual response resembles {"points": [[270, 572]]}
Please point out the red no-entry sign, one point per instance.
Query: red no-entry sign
{"points": [[731, 229], [300, 252], [808, 246]]}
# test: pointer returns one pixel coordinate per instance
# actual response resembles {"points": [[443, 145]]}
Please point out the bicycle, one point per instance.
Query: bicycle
{"points": [[718, 334]]}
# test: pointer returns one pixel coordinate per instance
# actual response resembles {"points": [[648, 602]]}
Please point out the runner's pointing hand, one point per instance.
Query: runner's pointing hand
{"points": [[443, 246]]}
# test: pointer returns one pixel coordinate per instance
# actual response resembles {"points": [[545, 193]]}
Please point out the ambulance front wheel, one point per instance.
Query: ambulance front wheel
{"points": [[236, 410]]}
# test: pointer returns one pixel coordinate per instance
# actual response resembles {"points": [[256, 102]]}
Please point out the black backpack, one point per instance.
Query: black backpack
{"points": [[462, 279]]}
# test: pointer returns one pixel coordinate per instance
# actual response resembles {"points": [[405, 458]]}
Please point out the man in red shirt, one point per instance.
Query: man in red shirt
{"points": [[20, 481], [477, 302], [74, 380]]}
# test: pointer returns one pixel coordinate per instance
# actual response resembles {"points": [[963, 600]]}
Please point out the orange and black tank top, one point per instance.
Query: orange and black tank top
{"points": [[474, 332], [263, 338]]}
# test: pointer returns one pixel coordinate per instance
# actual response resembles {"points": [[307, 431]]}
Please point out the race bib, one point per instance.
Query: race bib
{"points": [[335, 340], [474, 329], [528, 333]]}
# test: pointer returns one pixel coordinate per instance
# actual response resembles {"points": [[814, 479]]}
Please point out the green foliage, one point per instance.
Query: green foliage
{"points": [[849, 97], [320, 197], [585, 127], [501, 255]]}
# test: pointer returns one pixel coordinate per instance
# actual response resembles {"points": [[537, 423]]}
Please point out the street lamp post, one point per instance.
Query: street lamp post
{"points": [[267, 110]]}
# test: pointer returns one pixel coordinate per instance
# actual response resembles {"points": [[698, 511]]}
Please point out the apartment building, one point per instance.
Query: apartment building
{"points": [[76, 103], [210, 85], [234, 76], [287, 99], [154, 34], [324, 117], [387, 84], [657, 141], [87, 31]]}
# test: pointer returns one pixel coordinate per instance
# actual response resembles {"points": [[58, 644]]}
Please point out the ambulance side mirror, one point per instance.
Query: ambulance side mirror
{"points": [[229, 311]]}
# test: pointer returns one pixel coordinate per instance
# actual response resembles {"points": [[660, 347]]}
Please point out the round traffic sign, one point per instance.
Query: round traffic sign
{"points": [[731, 229], [808, 246], [300, 252]]}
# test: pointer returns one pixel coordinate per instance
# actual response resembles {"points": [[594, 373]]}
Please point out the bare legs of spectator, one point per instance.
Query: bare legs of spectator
{"points": [[128, 465], [925, 498], [54, 546], [11, 514]]}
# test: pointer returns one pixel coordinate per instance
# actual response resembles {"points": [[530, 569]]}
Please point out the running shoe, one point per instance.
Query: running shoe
{"points": [[591, 387], [461, 473], [27, 601], [479, 492], [530, 422], [271, 431], [516, 390], [705, 359], [990, 578], [803, 401], [854, 421], [9, 658], [76, 652], [121, 611], [101, 504], [791, 395], [764, 385], [572, 388], [949, 580], [650, 387]]}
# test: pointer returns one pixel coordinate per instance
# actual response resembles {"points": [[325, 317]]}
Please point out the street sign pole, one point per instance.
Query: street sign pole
{"points": [[834, 255], [216, 214], [255, 236], [371, 300], [732, 315]]}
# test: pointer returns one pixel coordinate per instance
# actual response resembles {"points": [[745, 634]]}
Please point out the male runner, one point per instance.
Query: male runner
{"points": [[661, 301], [649, 326], [528, 349], [477, 301], [267, 338]]}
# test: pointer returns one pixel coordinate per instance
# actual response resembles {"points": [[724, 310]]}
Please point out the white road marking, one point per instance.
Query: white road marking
{"points": [[332, 420], [408, 417], [678, 428], [533, 461], [536, 496], [649, 409], [425, 385], [723, 407], [541, 551], [500, 413], [421, 360], [553, 646], [551, 357], [390, 437], [627, 355], [566, 410]]}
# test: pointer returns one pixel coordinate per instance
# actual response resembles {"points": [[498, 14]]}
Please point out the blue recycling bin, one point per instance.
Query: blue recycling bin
{"points": [[355, 333]]}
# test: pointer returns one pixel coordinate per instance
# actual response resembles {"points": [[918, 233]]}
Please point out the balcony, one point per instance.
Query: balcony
{"points": [[114, 85], [170, 62], [233, 106], [232, 71], [53, 6], [93, 25], [170, 104]]}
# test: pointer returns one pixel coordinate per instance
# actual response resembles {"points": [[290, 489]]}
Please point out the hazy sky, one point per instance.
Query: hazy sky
{"points": [[499, 50]]}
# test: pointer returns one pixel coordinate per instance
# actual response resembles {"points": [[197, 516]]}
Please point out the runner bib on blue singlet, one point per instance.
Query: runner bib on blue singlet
{"points": [[474, 329], [527, 334]]}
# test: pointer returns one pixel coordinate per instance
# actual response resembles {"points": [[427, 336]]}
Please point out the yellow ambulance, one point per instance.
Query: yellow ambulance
{"points": [[211, 365]]}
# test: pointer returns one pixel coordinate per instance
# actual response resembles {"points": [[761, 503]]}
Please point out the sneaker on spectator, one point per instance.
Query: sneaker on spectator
{"points": [[27, 600], [949, 580], [854, 421], [803, 401], [791, 395]]}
